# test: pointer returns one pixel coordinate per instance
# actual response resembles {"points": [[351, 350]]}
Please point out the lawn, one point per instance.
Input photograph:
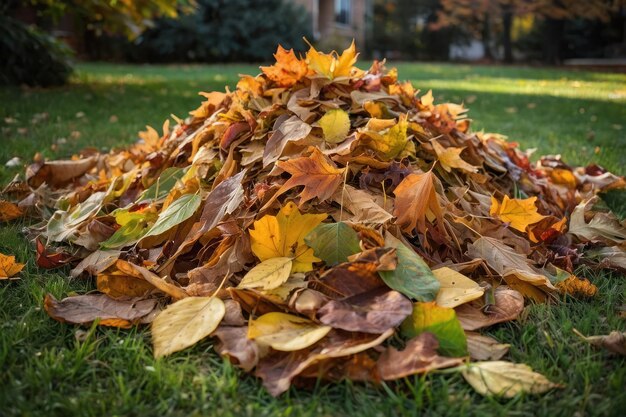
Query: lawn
{"points": [[48, 368]]}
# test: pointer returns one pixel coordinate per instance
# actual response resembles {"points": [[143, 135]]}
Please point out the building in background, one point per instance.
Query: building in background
{"points": [[335, 23]]}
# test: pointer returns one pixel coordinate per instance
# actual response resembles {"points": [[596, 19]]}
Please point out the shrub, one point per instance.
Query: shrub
{"points": [[31, 57]]}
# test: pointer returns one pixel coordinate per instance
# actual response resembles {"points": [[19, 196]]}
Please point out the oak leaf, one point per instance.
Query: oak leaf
{"points": [[283, 236], [8, 266], [318, 174], [415, 199], [517, 212], [287, 70]]}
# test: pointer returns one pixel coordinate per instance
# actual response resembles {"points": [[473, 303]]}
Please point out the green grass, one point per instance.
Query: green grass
{"points": [[45, 370]]}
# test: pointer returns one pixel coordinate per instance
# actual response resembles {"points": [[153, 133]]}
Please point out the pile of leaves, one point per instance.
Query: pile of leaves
{"points": [[321, 221]]}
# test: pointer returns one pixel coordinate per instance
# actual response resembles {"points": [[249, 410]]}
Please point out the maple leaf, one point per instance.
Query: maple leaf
{"points": [[415, 198], [287, 70], [9, 211], [8, 266], [517, 212], [332, 65], [450, 157], [318, 174], [283, 236]]}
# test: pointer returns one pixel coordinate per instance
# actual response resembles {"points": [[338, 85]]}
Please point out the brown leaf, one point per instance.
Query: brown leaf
{"points": [[509, 304], [416, 198], [349, 279], [278, 369], [318, 174], [292, 129], [96, 262], [485, 348], [614, 342], [161, 284], [418, 357], [84, 309], [234, 344], [57, 173], [373, 312]]}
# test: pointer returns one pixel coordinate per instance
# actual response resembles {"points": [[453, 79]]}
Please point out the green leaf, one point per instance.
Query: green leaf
{"points": [[163, 185], [440, 321], [335, 124], [412, 277], [129, 234], [333, 242], [176, 213]]}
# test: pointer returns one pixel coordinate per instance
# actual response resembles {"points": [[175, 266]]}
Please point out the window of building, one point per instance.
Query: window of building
{"points": [[342, 11]]}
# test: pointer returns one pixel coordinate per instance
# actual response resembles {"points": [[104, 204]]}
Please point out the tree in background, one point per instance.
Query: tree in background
{"points": [[484, 17]]}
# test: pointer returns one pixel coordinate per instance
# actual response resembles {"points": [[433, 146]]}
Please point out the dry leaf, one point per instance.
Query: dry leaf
{"points": [[269, 274], [415, 197], [8, 266], [418, 357], [287, 70], [505, 379], [9, 211], [456, 288], [335, 125], [485, 348], [332, 65], [185, 323], [234, 343], [318, 174], [450, 157], [508, 306], [285, 332], [283, 236], [614, 342], [517, 212]]}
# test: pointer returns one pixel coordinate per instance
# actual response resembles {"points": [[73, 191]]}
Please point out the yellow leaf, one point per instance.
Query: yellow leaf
{"points": [[185, 323], [517, 212], [9, 211], [456, 288], [332, 65], [428, 99], [8, 266], [283, 236], [267, 275], [505, 379], [285, 332], [451, 158], [335, 124], [391, 143]]}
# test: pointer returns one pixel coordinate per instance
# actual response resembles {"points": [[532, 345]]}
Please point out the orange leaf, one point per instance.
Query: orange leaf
{"points": [[517, 212], [287, 70], [415, 197], [8, 266], [318, 174], [332, 65], [9, 211]]}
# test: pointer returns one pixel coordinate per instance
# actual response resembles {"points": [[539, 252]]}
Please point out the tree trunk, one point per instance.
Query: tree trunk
{"points": [[507, 25], [552, 39], [486, 37]]}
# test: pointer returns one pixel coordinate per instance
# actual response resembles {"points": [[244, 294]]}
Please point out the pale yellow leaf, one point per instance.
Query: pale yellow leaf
{"points": [[185, 323], [456, 288], [269, 274], [285, 332]]}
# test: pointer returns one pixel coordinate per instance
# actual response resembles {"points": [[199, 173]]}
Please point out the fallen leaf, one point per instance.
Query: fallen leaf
{"points": [[361, 205], [508, 306], [9, 211], [450, 157], [335, 125], [418, 357], [517, 212], [269, 274], [441, 322], [176, 213], [283, 236], [372, 312], [391, 143], [614, 342], [602, 225], [292, 129], [96, 262], [455, 288], [285, 332], [332, 65], [287, 70], [333, 243], [485, 348], [185, 323], [412, 277], [234, 343], [8, 266], [505, 379], [85, 309], [57, 173], [318, 174], [415, 197]]}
